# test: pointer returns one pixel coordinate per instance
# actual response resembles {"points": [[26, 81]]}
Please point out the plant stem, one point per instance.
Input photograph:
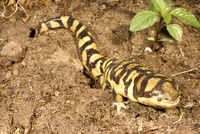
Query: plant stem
{"points": [[157, 32]]}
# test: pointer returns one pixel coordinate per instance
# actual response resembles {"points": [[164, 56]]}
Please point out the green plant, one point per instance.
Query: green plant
{"points": [[161, 9]]}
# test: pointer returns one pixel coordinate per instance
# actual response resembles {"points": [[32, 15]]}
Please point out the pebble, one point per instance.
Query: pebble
{"points": [[189, 105], [15, 69], [11, 49], [148, 49], [57, 93], [7, 76]]}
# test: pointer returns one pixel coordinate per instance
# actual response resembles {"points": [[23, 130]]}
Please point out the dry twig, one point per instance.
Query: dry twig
{"points": [[181, 117], [185, 71], [4, 11]]}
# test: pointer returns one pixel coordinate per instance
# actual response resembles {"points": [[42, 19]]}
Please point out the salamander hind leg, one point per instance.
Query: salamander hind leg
{"points": [[119, 100]]}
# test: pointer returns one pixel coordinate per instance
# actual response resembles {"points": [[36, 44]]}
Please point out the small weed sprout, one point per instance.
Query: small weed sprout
{"points": [[161, 9]]}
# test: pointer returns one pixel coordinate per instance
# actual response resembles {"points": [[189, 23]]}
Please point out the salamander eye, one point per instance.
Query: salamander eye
{"points": [[167, 98], [155, 93]]}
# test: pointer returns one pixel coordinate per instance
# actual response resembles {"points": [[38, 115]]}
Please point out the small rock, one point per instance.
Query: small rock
{"points": [[22, 82], [57, 93], [11, 49], [7, 76], [15, 69], [189, 105], [23, 63], [148, 49], [11, 53]]}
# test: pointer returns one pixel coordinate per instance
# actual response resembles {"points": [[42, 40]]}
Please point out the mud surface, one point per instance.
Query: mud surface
{"points": [[44, 88]]}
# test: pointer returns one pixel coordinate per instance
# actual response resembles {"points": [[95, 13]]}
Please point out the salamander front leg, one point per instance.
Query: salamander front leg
{"points": [[119, 102]]}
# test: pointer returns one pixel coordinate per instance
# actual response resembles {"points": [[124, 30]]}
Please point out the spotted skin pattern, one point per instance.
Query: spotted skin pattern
{"points": [[125, 79]]}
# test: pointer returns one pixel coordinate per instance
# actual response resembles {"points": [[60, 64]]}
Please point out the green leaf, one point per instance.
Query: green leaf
{"points": [[152, 7], [186, 16], [143, 20], [151, 38], [166, 40], [159, 4], [166, 10], [175, 31], [169, 3], [167, 17]]}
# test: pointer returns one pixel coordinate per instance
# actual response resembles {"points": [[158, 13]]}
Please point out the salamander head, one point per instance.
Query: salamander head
{"points": [[163, 95]]}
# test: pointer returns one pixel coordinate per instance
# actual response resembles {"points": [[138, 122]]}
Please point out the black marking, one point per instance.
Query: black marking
{"points": [[82, 48], [58, 20], [89, 53], [159, 85], [147, 94], [136, 94], [127, 86], [49, 26], [94, 63], [47, 23], [108, 69], [78, 27], [118, 77], [38, 29], [114, 94], [111, 64], [70, 22], [83, 34], [107, 88], [141, 71], [129, 71], [101, 66], [144, 84]]}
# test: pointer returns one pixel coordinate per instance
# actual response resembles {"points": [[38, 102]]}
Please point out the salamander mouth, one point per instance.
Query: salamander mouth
{"points": [[167, 104]]}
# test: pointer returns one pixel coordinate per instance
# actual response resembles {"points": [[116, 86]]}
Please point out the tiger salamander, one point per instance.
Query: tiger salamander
{"points": [[125, 79]]}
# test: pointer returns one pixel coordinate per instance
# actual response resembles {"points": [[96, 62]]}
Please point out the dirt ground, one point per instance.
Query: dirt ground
{"points": [[44, 88]]}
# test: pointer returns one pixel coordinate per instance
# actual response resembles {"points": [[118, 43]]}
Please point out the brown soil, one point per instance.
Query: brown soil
{"points": [[43, 88]]}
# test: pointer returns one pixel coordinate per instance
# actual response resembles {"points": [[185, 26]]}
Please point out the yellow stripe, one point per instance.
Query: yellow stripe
{"points": [[159, 75], [96, 71], [151, 84], [121, 65], [118, 71], [103, 66], [148, 72], [54, 24], [89, 33], [130, 92], [64, 20], [80, 30], [121, 82], [84, 54], [144, 68], [139, 82], [108, 76], [109, 62], [130, 75], [43, 28], [132, 65], [73, 27], [95, 57], [130, 88], [119, 89], [83, 41]]}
